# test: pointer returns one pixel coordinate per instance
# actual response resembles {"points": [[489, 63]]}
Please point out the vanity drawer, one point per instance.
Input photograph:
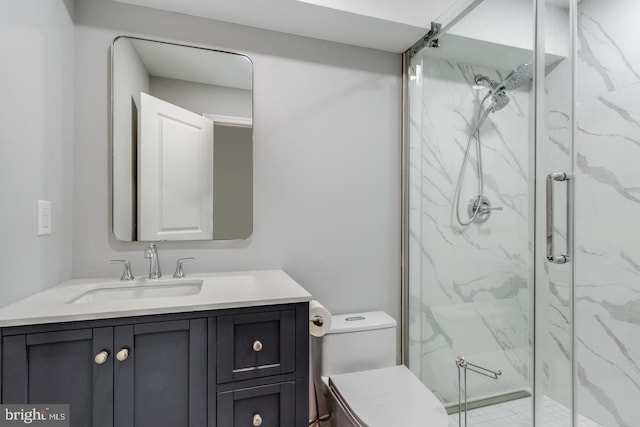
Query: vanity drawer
{"points": [[255, 345], [265, 406]]}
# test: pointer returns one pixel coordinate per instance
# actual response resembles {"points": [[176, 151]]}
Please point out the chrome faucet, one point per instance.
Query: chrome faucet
{"points": [[126, 274], [151, 252]]}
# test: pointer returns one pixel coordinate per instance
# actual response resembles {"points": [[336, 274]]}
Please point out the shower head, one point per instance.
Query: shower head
{"points": [[499, 100], [485, 81], [520, 76], [497, 93]]}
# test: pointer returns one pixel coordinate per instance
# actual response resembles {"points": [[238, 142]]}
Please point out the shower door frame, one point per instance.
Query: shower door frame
{"points": [[540, 137]]}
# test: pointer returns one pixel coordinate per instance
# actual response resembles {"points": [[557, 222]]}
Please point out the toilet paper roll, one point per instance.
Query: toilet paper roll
{"points": [[315, 328]]}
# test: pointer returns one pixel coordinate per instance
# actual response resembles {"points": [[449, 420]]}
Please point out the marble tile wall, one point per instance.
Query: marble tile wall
{"points": [[469, 292], [470, 289], [608, 212]]}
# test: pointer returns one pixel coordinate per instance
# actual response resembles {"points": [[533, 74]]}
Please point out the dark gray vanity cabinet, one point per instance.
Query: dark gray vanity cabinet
{"points": [[222, 368], [58, 367], [144, 374], [162, 382], [258, 369], [267, 406]]}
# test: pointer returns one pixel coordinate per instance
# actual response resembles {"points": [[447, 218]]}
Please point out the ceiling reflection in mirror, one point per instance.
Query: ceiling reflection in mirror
{"points": [[182, 142]]}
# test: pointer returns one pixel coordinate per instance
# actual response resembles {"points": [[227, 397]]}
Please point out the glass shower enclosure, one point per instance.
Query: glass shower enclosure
{"points": [[487, 187]]}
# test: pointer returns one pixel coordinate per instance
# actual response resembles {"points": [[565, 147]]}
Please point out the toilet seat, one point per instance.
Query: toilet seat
{"points": [[388, 397]]}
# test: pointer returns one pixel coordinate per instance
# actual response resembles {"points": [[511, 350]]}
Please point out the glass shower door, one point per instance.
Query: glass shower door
{"points": [[470, 189], [554, 301], [486, 148]]}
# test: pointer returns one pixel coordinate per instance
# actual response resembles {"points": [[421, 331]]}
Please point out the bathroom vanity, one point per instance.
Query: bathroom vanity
{"points": [[234, 353]]}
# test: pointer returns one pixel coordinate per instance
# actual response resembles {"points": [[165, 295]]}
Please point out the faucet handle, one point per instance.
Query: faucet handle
{"points": [[126, 274], [179, 274]]}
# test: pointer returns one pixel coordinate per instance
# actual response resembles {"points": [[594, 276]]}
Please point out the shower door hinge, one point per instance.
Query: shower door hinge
{"points": [[429, 40]]}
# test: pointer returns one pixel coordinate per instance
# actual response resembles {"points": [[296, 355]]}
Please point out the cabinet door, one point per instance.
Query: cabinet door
{"points": [[266, 406], [60, 368], [162, 382]]}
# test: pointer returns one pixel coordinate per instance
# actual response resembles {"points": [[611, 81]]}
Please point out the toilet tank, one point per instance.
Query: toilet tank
{"points": [[358, 342]]}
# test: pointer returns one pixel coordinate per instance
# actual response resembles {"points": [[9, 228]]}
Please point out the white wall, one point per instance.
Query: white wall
{"points": [[508, 22], [36, 112], [203, 98], [327, 159], [132, 79]]}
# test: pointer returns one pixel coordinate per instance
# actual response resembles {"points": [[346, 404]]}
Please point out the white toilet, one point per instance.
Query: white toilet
{"points": [[360, 380]]}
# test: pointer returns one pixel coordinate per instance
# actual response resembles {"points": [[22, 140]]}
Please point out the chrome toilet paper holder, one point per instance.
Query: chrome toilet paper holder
{"points": [[317, 320]]}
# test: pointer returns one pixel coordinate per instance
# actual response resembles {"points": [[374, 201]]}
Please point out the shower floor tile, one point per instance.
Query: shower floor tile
{"points": [[517, 413]]}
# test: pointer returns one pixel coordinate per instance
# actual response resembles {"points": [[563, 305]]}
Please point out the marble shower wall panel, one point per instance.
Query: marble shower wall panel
{"points": [[607, 212], [470, 296], [608, 53]]}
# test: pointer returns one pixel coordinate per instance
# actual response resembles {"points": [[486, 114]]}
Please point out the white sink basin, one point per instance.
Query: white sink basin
{"points": [[160, 290]]}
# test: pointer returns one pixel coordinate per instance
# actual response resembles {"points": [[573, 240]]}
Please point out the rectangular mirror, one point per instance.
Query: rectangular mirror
{"points": [[182, 142]]}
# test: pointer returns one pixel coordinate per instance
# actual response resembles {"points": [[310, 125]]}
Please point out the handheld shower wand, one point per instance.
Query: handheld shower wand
{"points": [[518, 77]]}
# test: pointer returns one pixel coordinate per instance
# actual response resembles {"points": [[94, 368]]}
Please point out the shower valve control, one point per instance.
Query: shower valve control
{"points": [[484, 208]]}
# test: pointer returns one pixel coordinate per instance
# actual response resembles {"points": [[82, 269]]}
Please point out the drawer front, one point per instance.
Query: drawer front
{"points": [[265, 406], [255, 345]]}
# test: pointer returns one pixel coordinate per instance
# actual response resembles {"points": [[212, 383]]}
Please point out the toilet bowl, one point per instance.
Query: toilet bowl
{"points": [[360, 382]]}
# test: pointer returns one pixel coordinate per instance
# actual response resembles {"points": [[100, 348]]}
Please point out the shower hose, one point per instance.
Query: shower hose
{"points": [[473, 136]]}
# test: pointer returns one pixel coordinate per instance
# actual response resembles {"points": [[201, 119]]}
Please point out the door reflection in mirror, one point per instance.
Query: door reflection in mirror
{"points": [[185, 173], [175, 172]]}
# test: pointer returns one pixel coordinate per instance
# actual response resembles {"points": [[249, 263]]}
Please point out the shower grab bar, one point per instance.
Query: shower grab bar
{"points": [[463, 364], [551, 178]]}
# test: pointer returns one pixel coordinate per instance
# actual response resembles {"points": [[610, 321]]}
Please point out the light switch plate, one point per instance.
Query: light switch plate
{"points": [[44, 217]]}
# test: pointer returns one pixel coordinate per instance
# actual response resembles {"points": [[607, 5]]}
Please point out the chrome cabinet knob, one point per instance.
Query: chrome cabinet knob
{"points": [[257, 346], [122, 355], [101, 357], [257, 420]]}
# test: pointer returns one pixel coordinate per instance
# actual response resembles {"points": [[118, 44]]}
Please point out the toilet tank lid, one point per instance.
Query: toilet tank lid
{"points": [[342, 323]]}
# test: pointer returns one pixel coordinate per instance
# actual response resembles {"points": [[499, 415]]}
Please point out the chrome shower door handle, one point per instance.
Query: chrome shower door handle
{"points": [[551, 257]]}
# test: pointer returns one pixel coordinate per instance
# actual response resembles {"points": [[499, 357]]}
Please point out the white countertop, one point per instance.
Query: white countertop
{"points": [[219, 291]]}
